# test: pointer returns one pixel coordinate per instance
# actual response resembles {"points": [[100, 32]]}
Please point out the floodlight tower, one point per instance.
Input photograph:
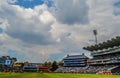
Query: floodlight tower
{"points": [[95, 34]]}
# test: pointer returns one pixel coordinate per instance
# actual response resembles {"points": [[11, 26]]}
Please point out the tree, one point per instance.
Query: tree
{"points": [[45, 64], [22, 64], [60, 63], [49, 64], [54, 66], [26, 63], [14, 59]]}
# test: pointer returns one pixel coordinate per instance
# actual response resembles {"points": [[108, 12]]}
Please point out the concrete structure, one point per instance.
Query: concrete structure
{"points": [[75, 61]]}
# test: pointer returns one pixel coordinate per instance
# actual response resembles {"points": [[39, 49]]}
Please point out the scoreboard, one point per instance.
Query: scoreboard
{"points": [[8, 62]]}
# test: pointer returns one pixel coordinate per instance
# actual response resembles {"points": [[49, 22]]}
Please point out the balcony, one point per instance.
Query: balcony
{"points": [[106, 52], [105, 61]]}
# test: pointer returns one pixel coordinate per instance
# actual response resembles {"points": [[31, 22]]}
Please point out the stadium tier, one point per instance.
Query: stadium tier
{"points": [[75, 61], [106, 55], [106, 59]]}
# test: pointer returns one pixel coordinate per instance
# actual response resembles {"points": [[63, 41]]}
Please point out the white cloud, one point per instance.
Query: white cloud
{"points": [[40, 32], [72, 11], [103, 19], [12, 1], [46, 17], [25, 31]]}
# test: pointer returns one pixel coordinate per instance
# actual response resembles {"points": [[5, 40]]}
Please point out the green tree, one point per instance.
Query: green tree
{"points": [[14, 59], [49, 64], [46, 63], [54, 66]]}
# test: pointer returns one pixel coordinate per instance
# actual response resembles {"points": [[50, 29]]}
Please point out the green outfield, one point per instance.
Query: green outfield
{"points": [[53, 75]]}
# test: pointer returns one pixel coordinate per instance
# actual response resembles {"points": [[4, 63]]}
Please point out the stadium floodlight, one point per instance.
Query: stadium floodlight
{"points": [[95, 33]]}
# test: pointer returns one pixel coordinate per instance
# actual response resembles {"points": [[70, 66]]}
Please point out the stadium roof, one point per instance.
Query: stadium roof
{"points": [[104, 45], [75, 56]]}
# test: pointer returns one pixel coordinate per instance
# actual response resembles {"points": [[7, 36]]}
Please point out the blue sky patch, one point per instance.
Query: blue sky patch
{"points": [[117, 4], [29, 3], [57, 56], [1, 30], [14, 53], [33, 3], [49, 3], [116, 8]]}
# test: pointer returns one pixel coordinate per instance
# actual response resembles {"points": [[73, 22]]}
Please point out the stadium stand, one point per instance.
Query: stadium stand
{"points": [[106, 59], [73, 64], [106, 56], [75, 61], [71, 69]]}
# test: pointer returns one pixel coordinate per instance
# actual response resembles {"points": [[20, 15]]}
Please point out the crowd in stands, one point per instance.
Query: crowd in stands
{"points": [[71, 69], [111, 57], [95, 69], [87, 69], [106, 59]]}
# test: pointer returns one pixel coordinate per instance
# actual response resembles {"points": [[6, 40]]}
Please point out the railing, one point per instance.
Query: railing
{"points": [[108, 62], [102, 59], [105, 52]]}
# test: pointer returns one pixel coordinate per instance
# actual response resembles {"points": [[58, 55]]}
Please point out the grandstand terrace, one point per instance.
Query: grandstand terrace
{"points": [[106, 55], [75, 61], [74, 64]]}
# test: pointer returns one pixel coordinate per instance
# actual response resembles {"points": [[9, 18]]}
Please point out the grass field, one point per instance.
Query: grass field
{"points": [[53, 75]]}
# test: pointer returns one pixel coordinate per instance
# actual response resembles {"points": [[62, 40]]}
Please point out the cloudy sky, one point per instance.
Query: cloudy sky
{"points": [[47, 30]]}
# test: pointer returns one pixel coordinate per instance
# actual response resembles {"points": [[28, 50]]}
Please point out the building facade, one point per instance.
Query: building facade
{"points": [[105, 53], [106, 56], [75, 61], [6, 62]]}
